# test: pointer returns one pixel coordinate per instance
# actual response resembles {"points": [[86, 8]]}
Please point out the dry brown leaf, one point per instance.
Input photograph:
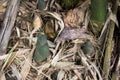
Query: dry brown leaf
{"points": [[73, 33], [2, 9], [37, 23], [74, 18], [26, 67], [60, 21]]}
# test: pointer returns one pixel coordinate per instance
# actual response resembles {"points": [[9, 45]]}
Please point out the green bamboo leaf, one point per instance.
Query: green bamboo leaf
{"points": [[42, 49]]}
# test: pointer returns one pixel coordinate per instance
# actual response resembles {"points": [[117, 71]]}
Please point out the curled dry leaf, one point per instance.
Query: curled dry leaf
{"points": [[50, 29], [73, 33], [74, 18], [60, 21], [37, 23]]}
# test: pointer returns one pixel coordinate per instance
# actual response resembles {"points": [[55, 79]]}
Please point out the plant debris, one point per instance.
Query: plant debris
{"points": [[73, 33], [69, 38]]}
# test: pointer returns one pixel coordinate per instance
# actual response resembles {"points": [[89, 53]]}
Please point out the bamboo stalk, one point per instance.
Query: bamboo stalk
{"points": [[115, 74], [108, 52], [99, 12]]}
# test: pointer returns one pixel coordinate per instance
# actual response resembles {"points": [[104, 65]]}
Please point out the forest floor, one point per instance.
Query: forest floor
{"points": [[74, 49]]}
